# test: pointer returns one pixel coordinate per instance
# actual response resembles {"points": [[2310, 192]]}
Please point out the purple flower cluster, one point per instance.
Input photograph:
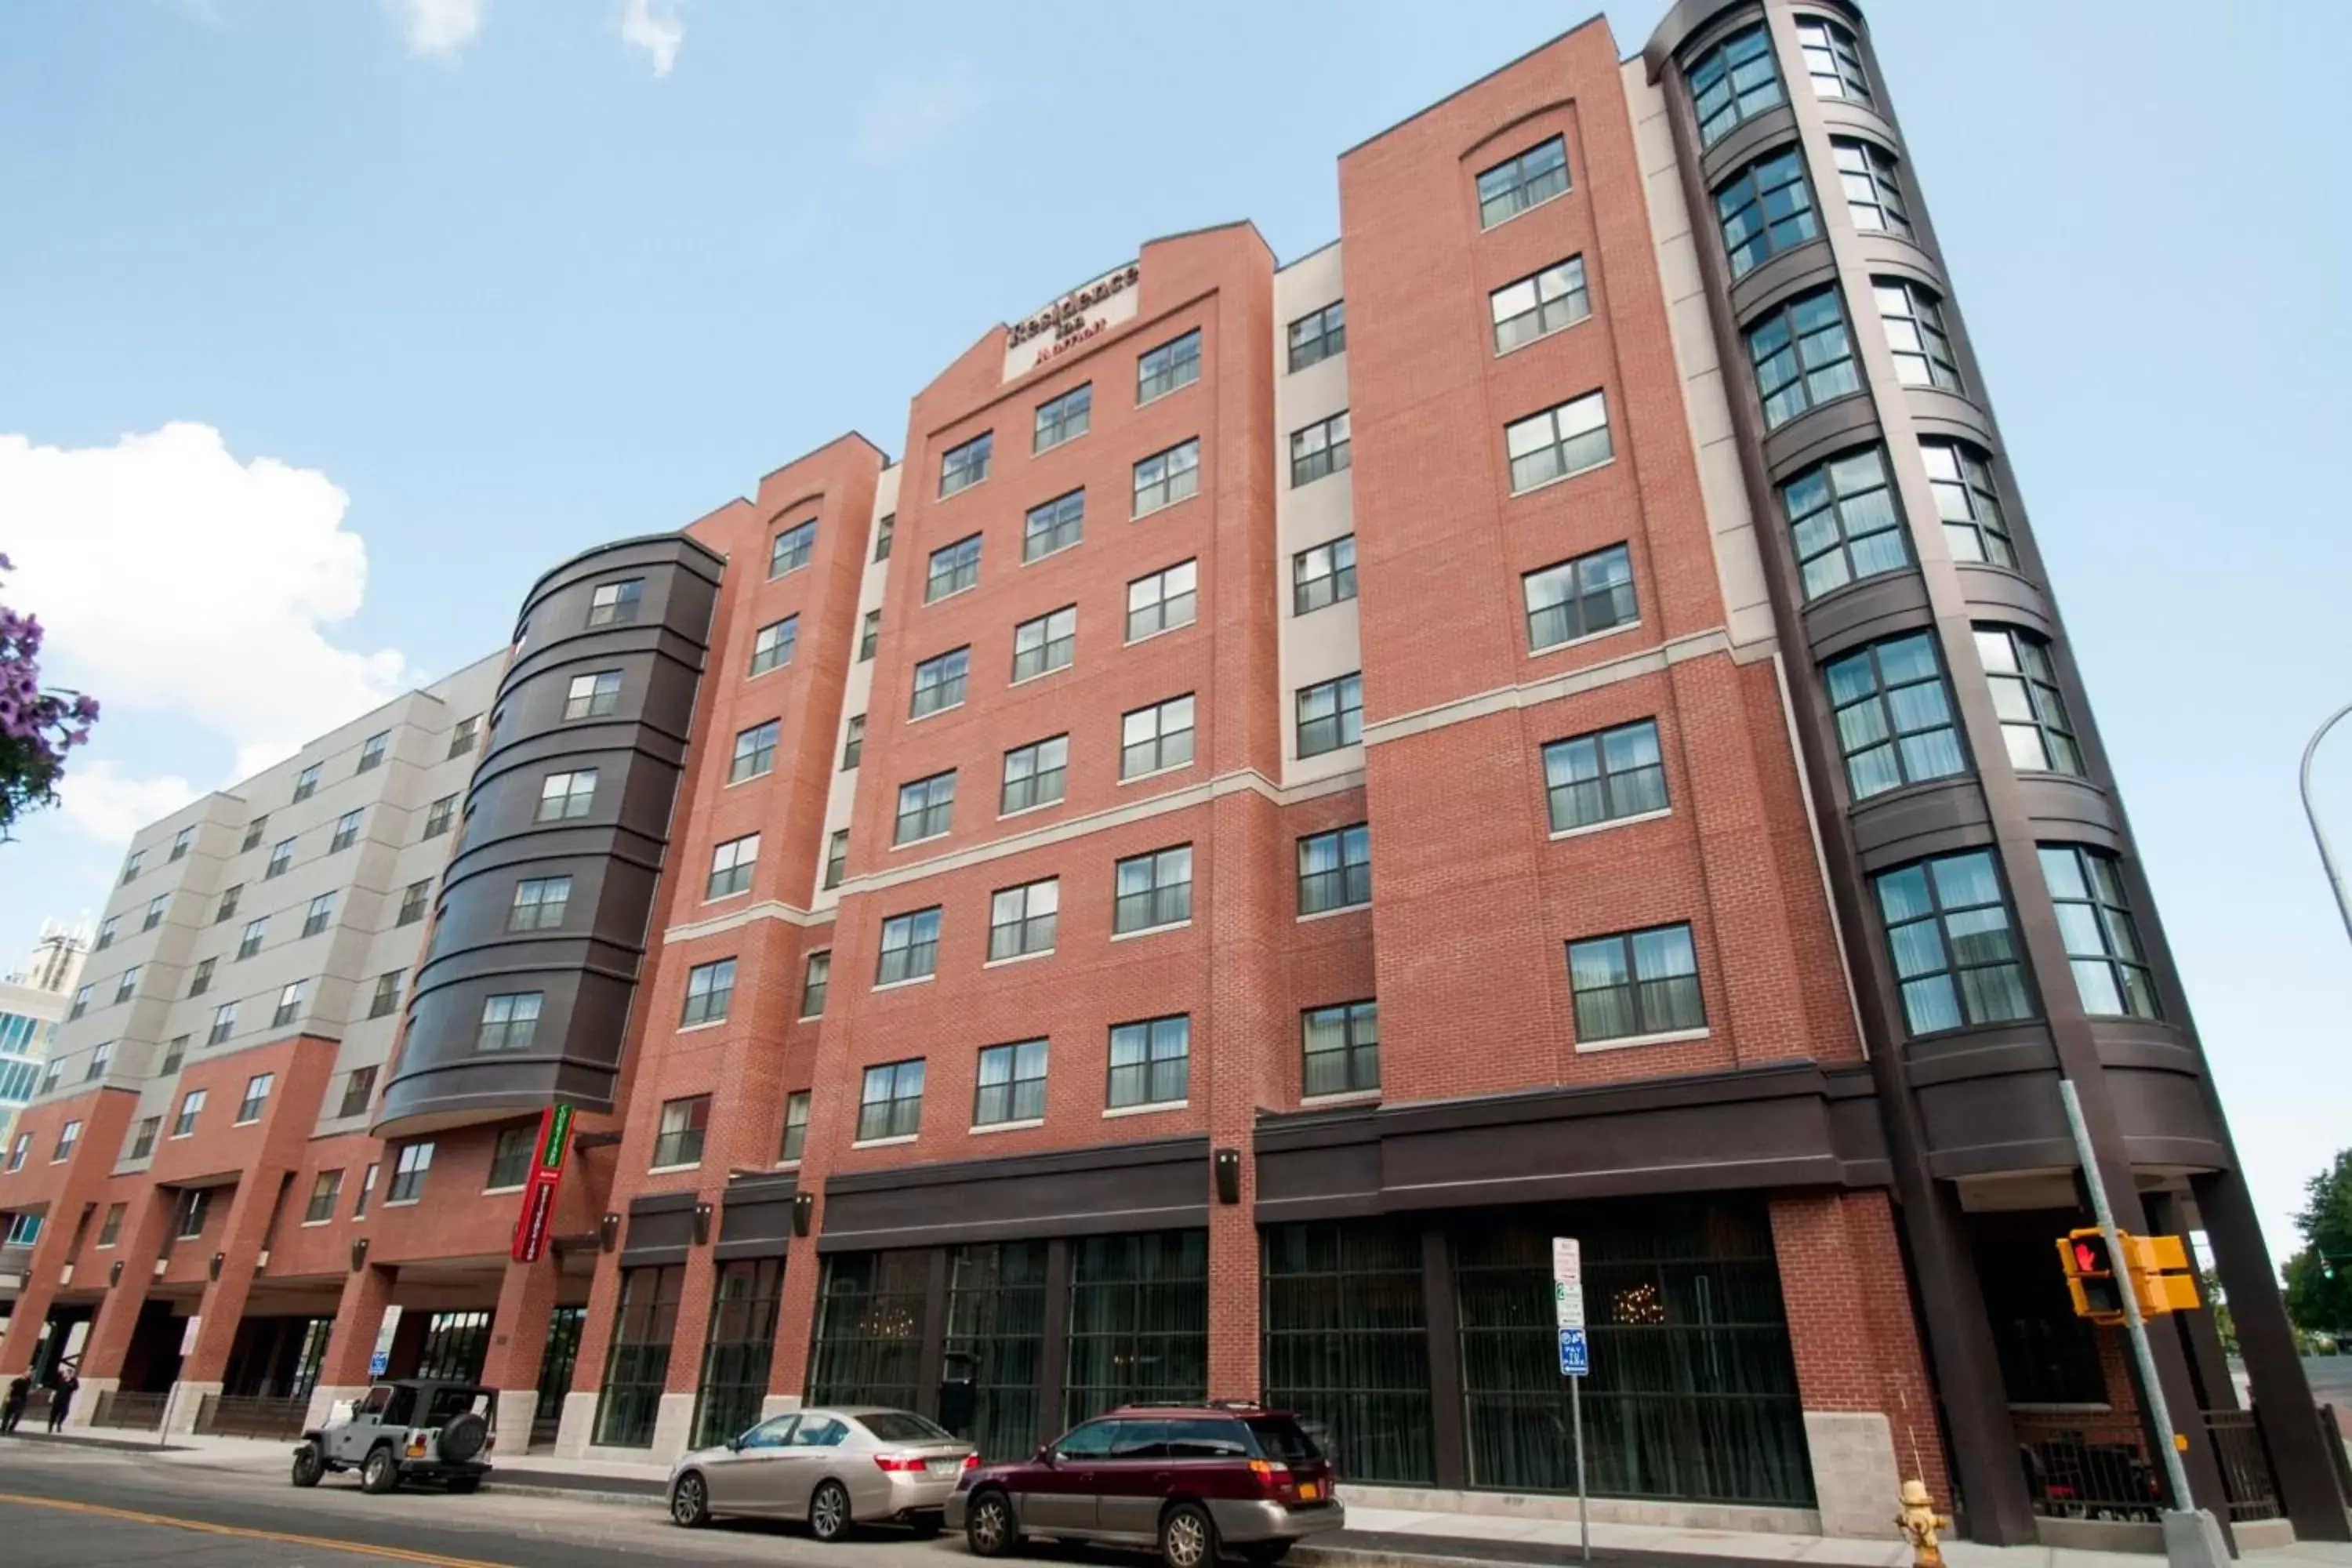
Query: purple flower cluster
{"points": [[38, 727]]}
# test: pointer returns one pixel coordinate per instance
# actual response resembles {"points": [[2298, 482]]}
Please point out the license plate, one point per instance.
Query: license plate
{"points": [[945, 1466], [1308, 1491]]}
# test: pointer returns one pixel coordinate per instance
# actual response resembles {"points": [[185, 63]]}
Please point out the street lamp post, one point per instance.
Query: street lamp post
{"points": [[2319, 834]]}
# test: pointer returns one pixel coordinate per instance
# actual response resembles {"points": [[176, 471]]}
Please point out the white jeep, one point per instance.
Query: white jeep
{"points": [[411, 1428]]}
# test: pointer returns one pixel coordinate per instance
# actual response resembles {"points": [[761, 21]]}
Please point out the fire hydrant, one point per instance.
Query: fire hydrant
{"points": [[1920, 1521]]}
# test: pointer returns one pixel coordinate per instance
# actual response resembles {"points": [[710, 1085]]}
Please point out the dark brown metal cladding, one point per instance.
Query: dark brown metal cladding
{"points": [[587, 968], [1978, 1102]]}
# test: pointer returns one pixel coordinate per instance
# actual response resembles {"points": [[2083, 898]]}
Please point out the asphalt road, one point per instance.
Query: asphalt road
{"points": [[90, 1508]]}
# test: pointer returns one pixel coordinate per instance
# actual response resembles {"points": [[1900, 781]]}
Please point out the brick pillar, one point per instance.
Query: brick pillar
{"points": [[797, 1319], [33, 1301], [222, 1310], [519, 1344], [1870, 1416], [1234, 1058], [367, 1291], [147, 1220]]}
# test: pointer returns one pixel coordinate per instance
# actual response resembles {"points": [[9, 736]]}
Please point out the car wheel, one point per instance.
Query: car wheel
{"points": [[381, 1473], [989, 1529], [828, 1516], [1188, 1537], [307, 1466], [689, 1502]]}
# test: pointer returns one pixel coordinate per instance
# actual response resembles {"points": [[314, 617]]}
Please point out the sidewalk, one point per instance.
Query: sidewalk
{"points": [[1375, 1537]]}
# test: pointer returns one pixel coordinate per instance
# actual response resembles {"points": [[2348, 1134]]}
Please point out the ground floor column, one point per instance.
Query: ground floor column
{"points": [[788, 1368], [359, 1316], [146, 1221], [2301, 1466], [221, 1312], [1869, 1413], [518, 1331], [576, 1428]]}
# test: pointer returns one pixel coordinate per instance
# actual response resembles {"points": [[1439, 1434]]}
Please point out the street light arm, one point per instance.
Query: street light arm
{"points": [[2319, 834]]}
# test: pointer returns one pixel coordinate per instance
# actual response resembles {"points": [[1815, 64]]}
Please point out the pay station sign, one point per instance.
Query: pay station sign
{"points": [[1567, 1305]]}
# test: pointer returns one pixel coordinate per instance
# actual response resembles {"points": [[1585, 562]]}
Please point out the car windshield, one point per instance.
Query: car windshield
{"points": [[1283, 1438], [904, 1426]]}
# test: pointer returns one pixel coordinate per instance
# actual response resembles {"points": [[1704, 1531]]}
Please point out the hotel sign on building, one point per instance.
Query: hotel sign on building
{"points": [[1079, 317]]}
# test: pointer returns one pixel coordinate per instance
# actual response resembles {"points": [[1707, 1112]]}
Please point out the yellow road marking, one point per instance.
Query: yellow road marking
{"points": [[398, 1555]]}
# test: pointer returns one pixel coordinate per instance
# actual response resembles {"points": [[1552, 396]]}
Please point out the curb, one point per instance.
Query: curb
{"points": [[576, 1494]]}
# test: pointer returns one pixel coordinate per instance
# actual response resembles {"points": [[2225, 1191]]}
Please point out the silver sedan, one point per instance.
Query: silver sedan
{"points": [[835, 1469]]}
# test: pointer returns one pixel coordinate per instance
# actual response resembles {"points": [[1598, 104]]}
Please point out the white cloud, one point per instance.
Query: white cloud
{"points": [[911, 107], [656, 26], [174, 580], [439, 28], [110, 805]]}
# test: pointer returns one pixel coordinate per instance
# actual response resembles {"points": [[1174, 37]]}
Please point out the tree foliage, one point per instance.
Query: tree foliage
{"points": [[37, 726], [2320, 1278]]}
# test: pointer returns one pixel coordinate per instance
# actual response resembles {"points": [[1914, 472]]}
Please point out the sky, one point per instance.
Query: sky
{"points": [[327, 325]]}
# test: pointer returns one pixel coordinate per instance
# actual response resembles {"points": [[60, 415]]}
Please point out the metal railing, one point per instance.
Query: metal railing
{"points": [[2093, 1466], [139, 1412], [2245, 1463], [2099, 1467], [244, 1415]]}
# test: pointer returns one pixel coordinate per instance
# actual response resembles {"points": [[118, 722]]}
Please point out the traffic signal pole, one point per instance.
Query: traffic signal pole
{"points": [[2192, 1537]]}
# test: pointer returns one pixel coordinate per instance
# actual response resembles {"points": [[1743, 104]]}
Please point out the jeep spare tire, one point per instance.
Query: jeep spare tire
{"points": [[464, 1436]]}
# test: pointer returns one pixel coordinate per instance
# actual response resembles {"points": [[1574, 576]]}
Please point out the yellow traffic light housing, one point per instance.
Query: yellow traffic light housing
{"points": [[2162, 1274], [2157, 1268]]}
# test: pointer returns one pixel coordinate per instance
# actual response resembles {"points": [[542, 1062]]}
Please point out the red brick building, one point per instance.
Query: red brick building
{"points": [[1303, 783]]}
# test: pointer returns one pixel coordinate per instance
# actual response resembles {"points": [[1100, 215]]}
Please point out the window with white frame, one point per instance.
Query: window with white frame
{"points": [[793, 549], [1054, 526], [1335, 869], [1565, 439], [961, 468], [346, 834], [289, 1005], [1010, 1085], [1035, 774], [1538, 306], [192, 1105], [1064, 418], [684, 1125], [1161, 370], [1164, 601], [1046, 643], [925, 808], [539, 903], [817, 978], [1152, 890], [224, 1023], [386, 998], [1527, 180], [256, 1095], [1872, 185], [510, 1020], [890, 1103], [1580, 599], [953, 568], [320, 911], [1341, 1049], [1166, 477], [409, 1168], [1319, 335], [755, 752], [797, 1120], [565, 796], [1021, 919], [1331, 714], [593, 695], [710, 987], [1322, 575], [615, 603], [1156, 739], [1635, 984], [1604, 776], [1150, 1062], [731, 864], [1319, 450], [910, 947], [1833, 59], [940, 682], [772, 644]]}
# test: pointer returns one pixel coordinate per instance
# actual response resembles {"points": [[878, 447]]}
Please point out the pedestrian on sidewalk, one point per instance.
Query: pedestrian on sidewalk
{"points": [[12, 1409], [62, 1401]]}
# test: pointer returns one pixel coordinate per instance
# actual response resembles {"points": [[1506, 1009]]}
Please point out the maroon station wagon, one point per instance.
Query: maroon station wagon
{"points": [[1193, 1480]]}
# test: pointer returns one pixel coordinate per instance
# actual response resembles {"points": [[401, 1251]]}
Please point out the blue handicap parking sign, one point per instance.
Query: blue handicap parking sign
{"points": [[378, 1362], [1575, 1356]]}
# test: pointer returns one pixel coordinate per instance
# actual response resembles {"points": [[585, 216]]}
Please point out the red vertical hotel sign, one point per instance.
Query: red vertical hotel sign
{"points": [[539, 1192]]}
